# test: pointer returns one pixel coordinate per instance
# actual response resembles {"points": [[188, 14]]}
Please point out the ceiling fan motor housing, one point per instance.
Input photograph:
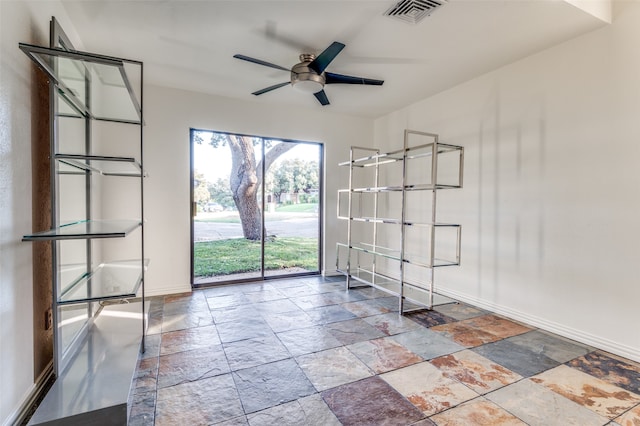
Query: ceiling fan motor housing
{"points": [[304, 78]]}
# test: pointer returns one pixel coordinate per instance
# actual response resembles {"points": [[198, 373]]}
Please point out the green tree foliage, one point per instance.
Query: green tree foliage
{"points": [[201, 193], [292, 176], [220, 192]]}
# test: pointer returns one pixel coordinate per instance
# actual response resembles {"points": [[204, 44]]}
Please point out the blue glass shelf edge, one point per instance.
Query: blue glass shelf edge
{"points": [[108, 281], [86, 229], [108, 166]]}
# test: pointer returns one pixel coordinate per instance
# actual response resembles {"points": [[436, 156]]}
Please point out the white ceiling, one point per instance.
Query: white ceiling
{"points": [[190, 44]]}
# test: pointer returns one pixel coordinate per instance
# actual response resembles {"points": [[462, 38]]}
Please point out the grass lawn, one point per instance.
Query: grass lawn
{"points": [[299, 208], [219, 219], [224, 257]]}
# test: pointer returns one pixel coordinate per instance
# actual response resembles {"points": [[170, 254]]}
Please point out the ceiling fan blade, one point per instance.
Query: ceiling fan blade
{"points": [[331, 78], [322, 97], [260, 62], [324, 59], [270, 88]]}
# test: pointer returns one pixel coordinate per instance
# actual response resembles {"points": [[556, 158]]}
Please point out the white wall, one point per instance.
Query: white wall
{"points": [[169, 114], [28, 22], [551, 197]]}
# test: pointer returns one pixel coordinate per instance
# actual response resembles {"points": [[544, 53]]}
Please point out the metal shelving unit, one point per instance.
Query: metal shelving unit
{"points": [[90, 93], [394, 241]]}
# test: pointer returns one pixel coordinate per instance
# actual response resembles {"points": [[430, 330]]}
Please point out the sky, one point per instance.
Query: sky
{"points": [[215, 163]]}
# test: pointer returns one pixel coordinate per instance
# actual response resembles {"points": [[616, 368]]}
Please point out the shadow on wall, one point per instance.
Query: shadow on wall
{"points": [[510, 213]]}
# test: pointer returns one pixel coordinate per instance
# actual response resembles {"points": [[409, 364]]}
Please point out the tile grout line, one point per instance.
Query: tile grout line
{"points": [[324, 325]]}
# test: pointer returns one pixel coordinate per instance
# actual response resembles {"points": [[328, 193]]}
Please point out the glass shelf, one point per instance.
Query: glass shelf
{"points": [[114, 280], [394, 254], [379, 281], [384, 220], [378, 189], [434, 224], [437, 263], [417, 187], [107, 166], [379, 251], [428, 187], [375, 251], [423, 296], [391, 221], [412, 153], [376, 159], [112, 96], [86, 229], [426, 150]]}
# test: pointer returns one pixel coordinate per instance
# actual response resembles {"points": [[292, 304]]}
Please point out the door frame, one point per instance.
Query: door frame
{"points": [[193, 207]]}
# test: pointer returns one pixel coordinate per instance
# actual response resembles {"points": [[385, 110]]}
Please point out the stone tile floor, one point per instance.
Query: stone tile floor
{"points": [[306, 352]]}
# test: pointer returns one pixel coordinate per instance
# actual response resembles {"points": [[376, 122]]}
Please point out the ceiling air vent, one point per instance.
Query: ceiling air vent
{"points": [[413, 11]]}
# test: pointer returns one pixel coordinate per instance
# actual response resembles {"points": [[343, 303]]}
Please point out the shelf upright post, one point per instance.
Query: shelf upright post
{"points": [[57, 39], [53, 176], [460, 179], [88, 148], [350, 217], [142, 172], [434, 184], [376, 185], [403, 220]]}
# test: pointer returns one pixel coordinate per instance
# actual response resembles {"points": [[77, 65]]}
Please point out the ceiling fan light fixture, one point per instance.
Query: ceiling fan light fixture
{"points": [[305, 79], [308, 86]]}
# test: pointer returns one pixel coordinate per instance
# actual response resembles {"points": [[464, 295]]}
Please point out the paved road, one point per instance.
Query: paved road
{"points": [[291, 225]]}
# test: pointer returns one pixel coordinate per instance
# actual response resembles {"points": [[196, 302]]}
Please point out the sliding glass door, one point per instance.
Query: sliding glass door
{"points": [[255, 207]]}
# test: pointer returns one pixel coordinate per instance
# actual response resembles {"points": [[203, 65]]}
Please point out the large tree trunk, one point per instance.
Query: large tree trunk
{"points": [[246, 178], [244, 185]]}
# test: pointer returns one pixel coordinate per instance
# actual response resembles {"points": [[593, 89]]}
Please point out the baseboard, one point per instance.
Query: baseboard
{"points": [[598, 342], [35, 392], [164, 291]]}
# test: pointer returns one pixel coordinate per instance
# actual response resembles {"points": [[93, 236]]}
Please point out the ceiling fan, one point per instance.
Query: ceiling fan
{"points": [[309, 75]]}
